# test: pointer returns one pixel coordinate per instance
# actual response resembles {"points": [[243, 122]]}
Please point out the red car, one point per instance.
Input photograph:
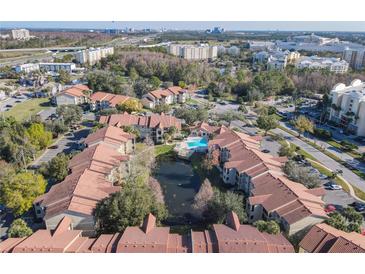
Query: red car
{"points": [[330, 208]]}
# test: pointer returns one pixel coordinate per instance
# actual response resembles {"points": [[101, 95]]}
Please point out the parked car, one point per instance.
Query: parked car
{"points": [[53, 147], [322, 176], [9, 106], [265, 151], [331, 208], [332, 186], [359, 207], [2, 209]]}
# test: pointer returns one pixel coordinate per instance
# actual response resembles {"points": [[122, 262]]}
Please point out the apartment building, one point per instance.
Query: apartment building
{"points": [[75, 95], [323, 238], [231, 237], [270, 194], [91, 179], [194, 52], [153, 126], [233, 50], [20, 34], [203, 129], [26, 68], [355, 57], [275, 59], [102, 100], [276, 62], [313, 38], [260, 45], [348, 106], [335, 65], [93, 55], [57, 67], [171, 95]]}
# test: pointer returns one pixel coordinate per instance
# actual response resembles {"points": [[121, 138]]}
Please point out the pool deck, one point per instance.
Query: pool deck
{"points": [[185, 151]]}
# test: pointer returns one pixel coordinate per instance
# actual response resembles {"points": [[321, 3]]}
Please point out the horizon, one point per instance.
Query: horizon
{"points": [[300, 26]]}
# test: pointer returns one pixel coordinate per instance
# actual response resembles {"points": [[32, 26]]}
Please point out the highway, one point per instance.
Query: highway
{"points": [[44, 49]]}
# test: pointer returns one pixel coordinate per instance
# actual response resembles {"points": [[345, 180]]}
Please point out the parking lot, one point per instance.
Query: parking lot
{"points": [[67, 144], [8, 103]]}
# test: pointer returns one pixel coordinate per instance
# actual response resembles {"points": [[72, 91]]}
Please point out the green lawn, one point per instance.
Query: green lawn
{"points": [[353, 154], [24, 110], [162, 150]]}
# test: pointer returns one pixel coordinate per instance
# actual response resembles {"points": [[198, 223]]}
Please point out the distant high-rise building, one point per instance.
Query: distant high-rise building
{"points": [[93, 55], [194, 52], [20, 34], [348, 106], [215, 30], [355, 57]]}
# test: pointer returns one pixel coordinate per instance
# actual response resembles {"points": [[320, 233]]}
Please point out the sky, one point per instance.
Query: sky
{"points": [[358, 26]]}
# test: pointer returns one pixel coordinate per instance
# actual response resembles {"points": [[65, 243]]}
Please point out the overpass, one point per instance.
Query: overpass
{"points": [[53, 49]]}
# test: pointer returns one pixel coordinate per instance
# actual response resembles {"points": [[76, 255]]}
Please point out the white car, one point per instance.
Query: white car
{"points": [[322, 176], [333, 186]]}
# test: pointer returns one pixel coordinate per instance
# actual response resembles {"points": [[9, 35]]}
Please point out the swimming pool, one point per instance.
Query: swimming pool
{"points": [[197, 142]]}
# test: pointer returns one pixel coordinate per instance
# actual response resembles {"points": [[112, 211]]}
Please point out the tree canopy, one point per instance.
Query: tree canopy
{"points": [[349, 220], [19, 229], [70, 114], [38, 136], [128, 207], [191, 115], [57, 168], [270, 227], [267, 122], [19, 191], [303, 124], [131, 105], [221, 204]]}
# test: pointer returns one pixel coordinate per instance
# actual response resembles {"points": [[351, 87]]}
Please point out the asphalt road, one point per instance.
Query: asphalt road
{"points": [[349, 176], [335, 197], [44, 114]]}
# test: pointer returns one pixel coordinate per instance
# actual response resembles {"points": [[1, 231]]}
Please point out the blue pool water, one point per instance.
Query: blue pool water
{"points": [[197, 142]]}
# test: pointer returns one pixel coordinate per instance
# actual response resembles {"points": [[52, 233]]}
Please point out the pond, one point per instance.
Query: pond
{"points": [[180, 184]]}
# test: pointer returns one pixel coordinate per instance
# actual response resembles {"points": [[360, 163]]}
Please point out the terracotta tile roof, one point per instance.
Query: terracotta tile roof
{"points": [[8, 245], [206, 127], [149, 238], [109, 135], [323, 238], [176, 90], [77, 91], [290, 200], [318, 191], [270, 187], [160, 93], [113, 99], [79, 192], [247, 239], [102, 243], [178, 244], [49, 241], [203, 241], [152, 121], [99, 158]]}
